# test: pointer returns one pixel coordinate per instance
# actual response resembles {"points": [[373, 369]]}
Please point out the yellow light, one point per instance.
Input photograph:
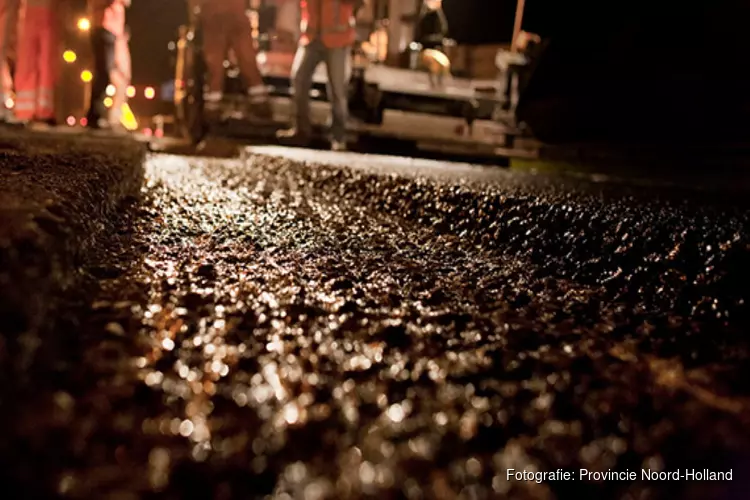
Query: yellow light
{"points": [[149, 93], [111, 90], [128, 118], [108, 102], [86, 76], [10, 103], [84, 24], [69, 56]]}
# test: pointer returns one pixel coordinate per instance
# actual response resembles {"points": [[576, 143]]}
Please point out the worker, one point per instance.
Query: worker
{"points": [[328, 34], [108, 25], [526, 44], [121, 77], [432, 26], [226, 26], [37, 62], [287, 25], [9, 10]]}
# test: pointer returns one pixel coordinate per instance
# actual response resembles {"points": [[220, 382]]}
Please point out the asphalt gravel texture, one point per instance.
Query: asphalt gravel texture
{"points": [[58, 194], [263, 327]]}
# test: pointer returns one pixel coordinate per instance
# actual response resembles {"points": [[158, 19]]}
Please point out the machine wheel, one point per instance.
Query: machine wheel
{"points": [[191, 71]]}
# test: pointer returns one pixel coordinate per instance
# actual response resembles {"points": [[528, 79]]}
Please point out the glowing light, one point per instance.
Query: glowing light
{"points": [[71, 121], [131, 91], [160, 133], [84, 122], [148, 132], [108, 102], [84, 24], [69, 56], [10, 103], [149, 93], [128, 118], [111, 90], [86, 76]]}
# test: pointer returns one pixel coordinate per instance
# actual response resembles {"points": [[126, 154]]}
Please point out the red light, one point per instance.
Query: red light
{"points": [[84, 122], [148, 132], [159, 133]]}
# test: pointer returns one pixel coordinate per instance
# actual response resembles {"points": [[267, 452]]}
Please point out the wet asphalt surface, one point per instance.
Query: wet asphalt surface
{"points": [[262, 327]]}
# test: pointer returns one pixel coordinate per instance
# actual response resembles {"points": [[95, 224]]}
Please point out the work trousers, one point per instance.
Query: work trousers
{"points": [[339, 68], [121, 78], [223, 31], [103, 46], [9, 10], [37, 64]]}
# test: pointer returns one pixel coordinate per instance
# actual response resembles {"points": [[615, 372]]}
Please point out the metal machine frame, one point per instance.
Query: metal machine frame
{"points": [[458, 116]]}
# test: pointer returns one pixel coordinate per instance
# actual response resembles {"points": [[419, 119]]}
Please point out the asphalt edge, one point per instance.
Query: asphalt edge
{"points": [[59, 195]]}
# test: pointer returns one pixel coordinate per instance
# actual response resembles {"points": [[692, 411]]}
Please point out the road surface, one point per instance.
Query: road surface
{"points": [[265, 327]]}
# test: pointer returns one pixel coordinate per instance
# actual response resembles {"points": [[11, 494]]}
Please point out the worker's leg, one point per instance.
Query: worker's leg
{"points": [[306, 61], [28, 61], [103, 46], [338, 62], [6, 83], [215, 45], [45, 103], [247, 57], [120, 83]]}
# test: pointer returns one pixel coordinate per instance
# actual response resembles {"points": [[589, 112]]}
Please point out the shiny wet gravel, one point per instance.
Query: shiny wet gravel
{"points": [[266, 328]]}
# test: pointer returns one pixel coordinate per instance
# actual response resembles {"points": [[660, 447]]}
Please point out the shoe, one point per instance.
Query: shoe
{"points": [[292, 137], [338, 146]]}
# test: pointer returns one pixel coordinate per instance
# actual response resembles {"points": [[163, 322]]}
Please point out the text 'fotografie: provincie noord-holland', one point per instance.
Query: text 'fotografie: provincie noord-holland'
{"points": [[625, 475]]}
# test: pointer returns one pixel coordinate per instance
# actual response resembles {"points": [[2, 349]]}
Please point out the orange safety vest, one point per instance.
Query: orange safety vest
{"points": [[330, 21]]}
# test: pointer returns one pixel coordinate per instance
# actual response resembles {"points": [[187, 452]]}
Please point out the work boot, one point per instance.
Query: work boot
{"points": [[292, 137]]}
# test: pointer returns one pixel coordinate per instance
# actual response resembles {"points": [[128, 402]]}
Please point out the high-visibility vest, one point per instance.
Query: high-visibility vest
{"points": [[330, 21]]}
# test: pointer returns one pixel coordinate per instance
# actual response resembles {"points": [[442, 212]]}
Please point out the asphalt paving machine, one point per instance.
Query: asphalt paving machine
{"points": [[397, 91]]}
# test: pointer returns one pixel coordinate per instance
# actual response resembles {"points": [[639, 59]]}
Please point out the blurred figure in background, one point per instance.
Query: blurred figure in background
{"points": [[121, 77], [36, 73], [287, 25], [432, 26], [9, 11], [108, 25], [225, 26], [525, 44], [328, 35]]}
